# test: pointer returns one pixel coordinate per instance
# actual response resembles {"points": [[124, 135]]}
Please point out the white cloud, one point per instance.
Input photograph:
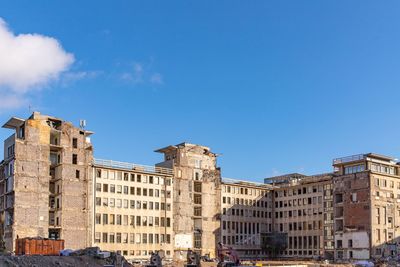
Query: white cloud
{"points": [[30, 60]]}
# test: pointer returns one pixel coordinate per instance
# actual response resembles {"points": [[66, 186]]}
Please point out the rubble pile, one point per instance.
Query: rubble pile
{"points": [[90, 257]]}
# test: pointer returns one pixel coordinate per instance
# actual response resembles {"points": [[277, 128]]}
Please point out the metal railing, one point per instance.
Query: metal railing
{"points": [[245, 183], [349, 159], [132, 166]]}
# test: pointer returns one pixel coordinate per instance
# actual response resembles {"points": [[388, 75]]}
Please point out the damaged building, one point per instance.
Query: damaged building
{"points": [[367, 206], [45, 185], [51, 186]]}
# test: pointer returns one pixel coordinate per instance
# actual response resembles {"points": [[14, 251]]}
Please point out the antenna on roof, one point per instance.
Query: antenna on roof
{"points": [[82, 124]]}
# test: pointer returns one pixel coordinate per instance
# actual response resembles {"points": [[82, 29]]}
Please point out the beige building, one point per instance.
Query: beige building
{"points": [[196, 198], [45, 186], [246, 215], [50, 186], [133, 212], [367, 206], [302, 215]]}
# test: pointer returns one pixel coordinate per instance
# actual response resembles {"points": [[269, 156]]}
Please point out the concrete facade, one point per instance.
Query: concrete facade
{"points": [[52, 187], [197, 198], [367, 206], [45, 189], [133, 211], [246, 214], [302, 210]]}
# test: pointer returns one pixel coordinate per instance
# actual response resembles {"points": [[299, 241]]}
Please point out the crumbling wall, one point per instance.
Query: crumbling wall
{"points": [[75, 209], [31, 182]]}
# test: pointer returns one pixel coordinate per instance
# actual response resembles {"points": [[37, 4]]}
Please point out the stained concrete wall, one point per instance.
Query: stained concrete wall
{"points": [[32, 178], [195, 163]]}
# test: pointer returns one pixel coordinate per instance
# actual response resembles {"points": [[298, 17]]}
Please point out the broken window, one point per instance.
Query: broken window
{"points": [[77, 173], [75, 142], [74, 159], [197, 199]]}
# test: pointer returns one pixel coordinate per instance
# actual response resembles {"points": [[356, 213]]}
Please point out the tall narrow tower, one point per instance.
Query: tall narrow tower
{"points": [[197, 200], [46, 185]]}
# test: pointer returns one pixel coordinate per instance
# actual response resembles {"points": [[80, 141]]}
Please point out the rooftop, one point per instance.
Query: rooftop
{"points": [[360, 157], [245, 183], [112, 164]]}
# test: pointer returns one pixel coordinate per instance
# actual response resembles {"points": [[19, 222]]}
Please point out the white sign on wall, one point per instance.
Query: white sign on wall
{"points": [[183, 241]]}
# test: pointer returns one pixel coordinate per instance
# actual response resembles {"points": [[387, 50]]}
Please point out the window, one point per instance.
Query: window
{"points": [[105, 187], [105, 218], [197, 199], [197, 187], [74, 159], [97, 237], [105, 237], [197, 240], [98, 218], [354, 169], [197, 211], [74, 142], [77, 174]]}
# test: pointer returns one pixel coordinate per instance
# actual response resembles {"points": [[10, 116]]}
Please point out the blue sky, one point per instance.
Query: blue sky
{"points": [[274, 86]]}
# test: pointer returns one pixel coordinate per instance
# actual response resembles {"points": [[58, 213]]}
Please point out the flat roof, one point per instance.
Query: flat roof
{"points": [[13, 123]]}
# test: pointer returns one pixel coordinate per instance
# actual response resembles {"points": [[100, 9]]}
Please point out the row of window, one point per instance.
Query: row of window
{"points": [[131, 238], [354, 169], [241, 227], [246, 202], [299, 202], [239, 240], [118, 219], [138, 252], [132, 204], [298, 213], [132, 177], [246, 213], [244, 191], [303, 242], [383, 168], [385, 183], [130, 190], [299, 191], [299, 226]]}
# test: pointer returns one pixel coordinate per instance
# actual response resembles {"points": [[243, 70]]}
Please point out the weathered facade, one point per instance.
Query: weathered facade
{"points": [[246, 215], [51, 187], [45, 186], [133, 209], [367, 206], [197, 198], [302, 214]]}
